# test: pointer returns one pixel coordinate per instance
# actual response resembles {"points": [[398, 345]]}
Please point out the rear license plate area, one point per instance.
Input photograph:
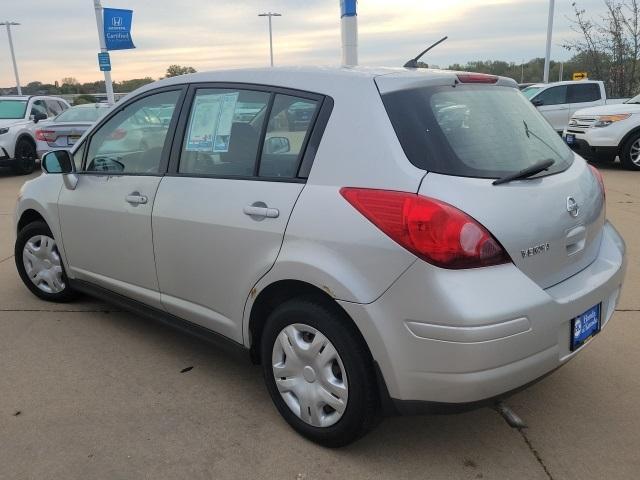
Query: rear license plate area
{"points": [[585, 326]]}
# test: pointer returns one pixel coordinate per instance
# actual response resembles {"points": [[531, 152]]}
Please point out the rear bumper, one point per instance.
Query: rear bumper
{"points": [[461, 337]]}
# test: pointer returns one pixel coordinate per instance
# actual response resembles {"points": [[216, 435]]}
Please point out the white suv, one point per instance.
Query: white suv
{"points": [[18, 117], [380, 240], [604, 133]]}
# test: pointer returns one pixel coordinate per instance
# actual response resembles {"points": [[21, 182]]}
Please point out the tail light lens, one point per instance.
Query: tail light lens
{"points": [[118, 134], [46, 135], [433, 230], [596, 173], [476, 78]]}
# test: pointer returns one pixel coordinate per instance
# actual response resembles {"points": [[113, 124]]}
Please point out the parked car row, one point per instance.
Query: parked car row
{"points": [[596, 127], [18, 117]]}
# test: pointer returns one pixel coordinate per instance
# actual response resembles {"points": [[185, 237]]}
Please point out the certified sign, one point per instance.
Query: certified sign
{"points": [[117, 28]]}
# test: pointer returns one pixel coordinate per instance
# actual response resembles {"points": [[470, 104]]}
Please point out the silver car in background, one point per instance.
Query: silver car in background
{"points": [[379, 240], [64, 130]]}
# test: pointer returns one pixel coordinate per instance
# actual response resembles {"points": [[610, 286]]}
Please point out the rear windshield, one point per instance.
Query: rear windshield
{"points": [[81, 114], [473, 131]]}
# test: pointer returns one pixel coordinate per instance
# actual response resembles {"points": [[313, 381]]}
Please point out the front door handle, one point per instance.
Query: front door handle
{"points": [[135, 198], [261, 212]]}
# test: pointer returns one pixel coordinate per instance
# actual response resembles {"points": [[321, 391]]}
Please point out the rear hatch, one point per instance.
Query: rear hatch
{"points": [[466, 135]]}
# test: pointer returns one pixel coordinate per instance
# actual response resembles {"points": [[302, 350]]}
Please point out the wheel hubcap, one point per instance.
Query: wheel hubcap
{"points": [[310, 375], [42, 264], [635, 152]]}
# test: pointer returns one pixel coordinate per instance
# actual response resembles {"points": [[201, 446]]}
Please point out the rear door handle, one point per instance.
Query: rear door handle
{"points": [[262, 212], [136, 199]]}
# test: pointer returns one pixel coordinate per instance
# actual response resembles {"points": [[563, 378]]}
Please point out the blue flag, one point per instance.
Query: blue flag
{"points": [[348, 8], [117, 28]]}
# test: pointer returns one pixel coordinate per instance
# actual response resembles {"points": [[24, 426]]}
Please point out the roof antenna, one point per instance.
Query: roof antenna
{"points": [[413, 63]]}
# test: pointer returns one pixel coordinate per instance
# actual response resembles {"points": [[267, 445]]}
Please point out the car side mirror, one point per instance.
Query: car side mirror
{"points": [[39, 116], [277, 145], [537, 103], [61, 161], [58, 161]]}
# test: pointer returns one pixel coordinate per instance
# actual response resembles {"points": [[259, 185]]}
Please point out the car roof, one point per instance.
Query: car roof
{"points": [[564, 82], [92, 105], [15, 97], [328, 80]]}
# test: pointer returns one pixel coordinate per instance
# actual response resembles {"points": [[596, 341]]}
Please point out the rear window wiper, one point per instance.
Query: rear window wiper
{"points": [[526, 172]]}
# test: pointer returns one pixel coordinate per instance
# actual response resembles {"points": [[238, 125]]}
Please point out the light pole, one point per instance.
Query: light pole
{"points": [[108, 84], [13, 55], [349, 32], [547, 58], [269, 14]]}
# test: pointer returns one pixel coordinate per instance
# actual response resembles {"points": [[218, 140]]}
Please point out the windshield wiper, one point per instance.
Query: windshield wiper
{"points": [[526, 172]]}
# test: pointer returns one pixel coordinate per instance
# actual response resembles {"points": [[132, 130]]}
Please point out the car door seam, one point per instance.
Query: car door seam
{"points": [[284, 233]]}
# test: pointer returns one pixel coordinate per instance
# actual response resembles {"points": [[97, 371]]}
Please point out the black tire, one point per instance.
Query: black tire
{"points": [[24, 157], [625, 157], [362, 410], [24, 235]]}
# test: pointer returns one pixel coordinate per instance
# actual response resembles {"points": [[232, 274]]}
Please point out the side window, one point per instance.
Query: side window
{"points": [[132, 140], [223, 132], [53, 108], [39, 107], [588, 92], [63, 106], [289, 124], [553, 96]]}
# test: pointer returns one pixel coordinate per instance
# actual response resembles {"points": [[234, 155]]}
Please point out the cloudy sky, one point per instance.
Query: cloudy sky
{"points": [[58, 38]]}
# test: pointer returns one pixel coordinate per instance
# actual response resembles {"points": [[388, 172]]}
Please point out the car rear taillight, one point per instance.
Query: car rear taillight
{"points": [[118, 134], [596, 173], [46, 135], [433, 230], [476, 78]]}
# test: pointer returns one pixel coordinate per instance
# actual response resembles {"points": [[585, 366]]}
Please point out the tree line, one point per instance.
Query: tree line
{"points": [[70, 85]]}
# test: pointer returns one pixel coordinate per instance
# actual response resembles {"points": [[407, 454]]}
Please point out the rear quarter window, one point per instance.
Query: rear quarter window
{"points": [[473, 131]]}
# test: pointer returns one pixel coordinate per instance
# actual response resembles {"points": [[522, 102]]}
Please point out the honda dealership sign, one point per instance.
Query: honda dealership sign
{"points": [[117, 28]]}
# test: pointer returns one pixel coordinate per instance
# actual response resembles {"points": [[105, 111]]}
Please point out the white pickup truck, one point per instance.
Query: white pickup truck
{"points": [[558, 101]]}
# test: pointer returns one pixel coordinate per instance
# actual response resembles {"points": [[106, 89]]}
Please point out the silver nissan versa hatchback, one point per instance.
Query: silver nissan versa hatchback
{"points": [[380, 240]]}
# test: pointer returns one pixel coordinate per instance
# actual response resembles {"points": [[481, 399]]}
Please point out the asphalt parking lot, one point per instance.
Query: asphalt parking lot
{"points": [[90, 392]]}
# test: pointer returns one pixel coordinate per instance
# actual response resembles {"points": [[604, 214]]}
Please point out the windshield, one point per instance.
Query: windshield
{"points": [[81, 114], [473, 131], [635, 99], [530, 92], [12, 109]]}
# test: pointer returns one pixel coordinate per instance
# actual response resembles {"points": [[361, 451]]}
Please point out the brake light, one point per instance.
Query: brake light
{"points": [[433, 230], [596, 173], [118, 134], [46, 135], [476, 78]]}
